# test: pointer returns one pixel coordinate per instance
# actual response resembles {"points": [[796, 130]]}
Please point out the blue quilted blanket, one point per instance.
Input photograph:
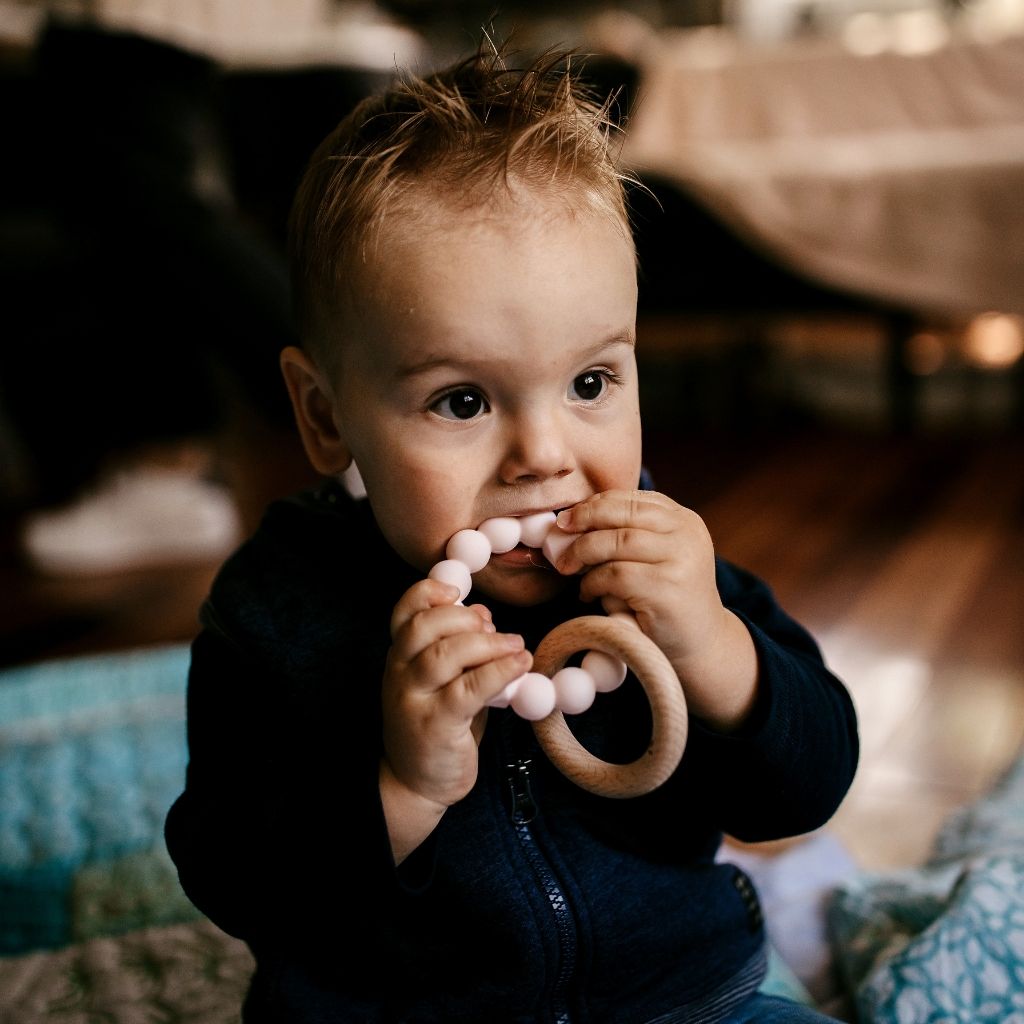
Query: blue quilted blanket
{"points": [[92, 753]]}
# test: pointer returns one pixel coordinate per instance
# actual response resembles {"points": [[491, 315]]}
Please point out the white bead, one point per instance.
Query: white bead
{"points": [[504, 533], [607, 670], [505, 697], [556, 542], [535, 528], [534, 698], [574, 690], [454, 572], [471, 548]]}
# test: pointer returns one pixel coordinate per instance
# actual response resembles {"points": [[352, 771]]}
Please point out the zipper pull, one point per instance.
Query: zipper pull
{"points": [[524, 808]]}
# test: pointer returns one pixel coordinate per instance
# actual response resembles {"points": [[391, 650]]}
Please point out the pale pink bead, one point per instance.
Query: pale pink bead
{"points": [[536, 527], [454, 572], [505, 697], [503, 533], [534, 698], [574, 690], [556, 542], [607, 670], [471, 548]]}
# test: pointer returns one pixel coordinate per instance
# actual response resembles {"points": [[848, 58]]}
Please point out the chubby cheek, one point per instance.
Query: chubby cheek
{"points": [[418, 509], [616, 466]]}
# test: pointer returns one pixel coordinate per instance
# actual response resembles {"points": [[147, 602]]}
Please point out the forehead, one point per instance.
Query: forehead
{"points": [[443, 276]]}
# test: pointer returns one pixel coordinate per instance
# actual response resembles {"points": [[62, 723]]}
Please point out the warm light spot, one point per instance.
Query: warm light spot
{"points": [[994, 341], [916, 32], [925, 353], [867, 34], [993, 20], [887, 688]]}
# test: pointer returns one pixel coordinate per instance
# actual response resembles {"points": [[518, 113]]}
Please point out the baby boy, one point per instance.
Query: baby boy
{"points": [[391, 848]]}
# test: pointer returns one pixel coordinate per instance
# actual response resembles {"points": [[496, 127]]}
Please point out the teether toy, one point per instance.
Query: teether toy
{"points": [[552, 690]]}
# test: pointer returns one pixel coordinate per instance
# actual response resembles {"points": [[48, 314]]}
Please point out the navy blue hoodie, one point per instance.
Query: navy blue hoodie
{"points": [[533, 900]]}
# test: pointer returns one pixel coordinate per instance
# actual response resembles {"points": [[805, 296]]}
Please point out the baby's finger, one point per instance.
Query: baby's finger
{"points": [[629, 582], [427, 593], [483, 611], [649, 510], [434, 624], [452, 656], [479, 686], [622, 544]]}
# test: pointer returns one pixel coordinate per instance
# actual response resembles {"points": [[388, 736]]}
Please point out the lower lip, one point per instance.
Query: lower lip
{"points": [[521, 557]]}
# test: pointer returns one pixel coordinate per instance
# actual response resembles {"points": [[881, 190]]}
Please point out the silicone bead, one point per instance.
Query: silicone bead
{"points": [[454, 572], [505, 697], [471, 548], [556, 542], [534, 698], [574, 690], [504, 533], [608, 671], [536, 527]]}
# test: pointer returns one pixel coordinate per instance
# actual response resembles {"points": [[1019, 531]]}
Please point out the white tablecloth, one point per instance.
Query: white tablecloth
{"points": [[901, 177]]}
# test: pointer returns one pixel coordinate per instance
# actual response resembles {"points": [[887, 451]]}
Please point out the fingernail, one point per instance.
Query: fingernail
{"points": [[564, 518], [489, 627], [513, 641]]}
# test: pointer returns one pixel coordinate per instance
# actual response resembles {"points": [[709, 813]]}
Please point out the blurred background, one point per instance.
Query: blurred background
{"points": [[831, 240]]}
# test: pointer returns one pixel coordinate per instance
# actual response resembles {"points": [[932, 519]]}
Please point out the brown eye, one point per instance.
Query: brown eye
{"points": [[588, 386], [461, 404]]}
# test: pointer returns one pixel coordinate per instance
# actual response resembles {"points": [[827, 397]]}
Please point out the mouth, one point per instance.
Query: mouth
{"points": [[523, 555], [539, 559], [539, 510]]}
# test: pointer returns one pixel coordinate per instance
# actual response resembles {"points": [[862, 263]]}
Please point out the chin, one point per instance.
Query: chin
{"points": [[520, 588]]}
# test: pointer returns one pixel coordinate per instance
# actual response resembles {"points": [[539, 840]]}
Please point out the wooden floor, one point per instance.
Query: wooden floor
{"points": [[905, 557]]}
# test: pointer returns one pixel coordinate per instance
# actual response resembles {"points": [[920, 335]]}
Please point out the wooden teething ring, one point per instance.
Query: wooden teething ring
{"points": [[623, 639]]}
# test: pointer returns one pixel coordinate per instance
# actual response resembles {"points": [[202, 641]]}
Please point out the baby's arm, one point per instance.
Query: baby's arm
{"points": [[643, 548], [446, 662]]}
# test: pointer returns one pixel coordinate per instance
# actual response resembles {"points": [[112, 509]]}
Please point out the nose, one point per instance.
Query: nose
{"points": [[538, 446]]}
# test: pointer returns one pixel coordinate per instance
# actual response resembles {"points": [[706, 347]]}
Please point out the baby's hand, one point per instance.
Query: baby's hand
{"points": [[446, 662], [644, 549]]}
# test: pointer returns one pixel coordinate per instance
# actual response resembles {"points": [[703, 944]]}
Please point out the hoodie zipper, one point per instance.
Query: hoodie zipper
{"points": [[524, 810]]}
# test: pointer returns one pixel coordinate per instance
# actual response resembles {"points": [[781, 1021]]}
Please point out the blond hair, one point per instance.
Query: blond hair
{"points": [[464, 134]]}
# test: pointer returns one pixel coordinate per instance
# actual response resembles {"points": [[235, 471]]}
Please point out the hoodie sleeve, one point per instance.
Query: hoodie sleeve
{"points": [[786, 771], [280, 828]]}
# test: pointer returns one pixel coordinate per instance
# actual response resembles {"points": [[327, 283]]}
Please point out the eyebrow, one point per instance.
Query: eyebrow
{"points": [[436, 362]]}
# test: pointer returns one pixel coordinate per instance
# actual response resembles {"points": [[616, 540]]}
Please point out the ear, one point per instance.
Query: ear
{"points": [[313, 403]]}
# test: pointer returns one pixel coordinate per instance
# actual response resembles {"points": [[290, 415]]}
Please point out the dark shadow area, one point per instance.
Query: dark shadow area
{"points": [[142, 247]]}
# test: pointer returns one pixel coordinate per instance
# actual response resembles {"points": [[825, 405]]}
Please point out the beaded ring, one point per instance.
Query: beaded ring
{"points": [[611, 644]]}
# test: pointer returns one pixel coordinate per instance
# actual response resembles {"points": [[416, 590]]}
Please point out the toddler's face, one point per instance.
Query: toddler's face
{"points": [[491, 372]]}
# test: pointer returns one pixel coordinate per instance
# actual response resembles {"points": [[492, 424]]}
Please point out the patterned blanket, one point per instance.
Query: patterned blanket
{"points": [[188, 973], [943, 943], [94, 926]]}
